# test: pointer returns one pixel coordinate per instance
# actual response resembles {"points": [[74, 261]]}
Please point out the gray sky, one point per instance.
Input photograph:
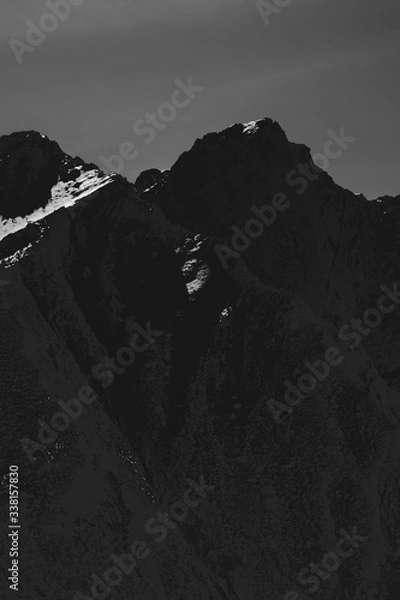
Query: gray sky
{"points": [[317, 65]]}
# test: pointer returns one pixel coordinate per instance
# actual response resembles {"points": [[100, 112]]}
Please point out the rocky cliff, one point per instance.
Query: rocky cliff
{"points": [[212, 309]]}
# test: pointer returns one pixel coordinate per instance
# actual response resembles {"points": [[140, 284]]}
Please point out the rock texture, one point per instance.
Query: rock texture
{"points": [[37, 178], [30, 165], [196, 403]]}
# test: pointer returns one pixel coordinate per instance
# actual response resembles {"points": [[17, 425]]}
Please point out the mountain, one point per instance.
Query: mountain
{"points": [[237, 320], [37, 178]]}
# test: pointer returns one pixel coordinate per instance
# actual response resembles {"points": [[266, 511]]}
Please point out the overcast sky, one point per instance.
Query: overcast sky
{"points": [[318, 65]]}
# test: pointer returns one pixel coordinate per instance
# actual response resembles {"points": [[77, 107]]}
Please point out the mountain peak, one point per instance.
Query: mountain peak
{"points": [[38, 177]]}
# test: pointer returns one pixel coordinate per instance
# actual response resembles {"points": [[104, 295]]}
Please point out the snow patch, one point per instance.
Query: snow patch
{"points": [[16, 257], [197, 282], [250, 127]]}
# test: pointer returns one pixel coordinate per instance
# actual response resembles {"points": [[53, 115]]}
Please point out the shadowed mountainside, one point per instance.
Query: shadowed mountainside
{"points": [[197, 401]]}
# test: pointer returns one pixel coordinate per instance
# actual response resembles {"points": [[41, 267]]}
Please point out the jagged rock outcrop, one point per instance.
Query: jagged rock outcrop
{"points": [[149, 178], [30, 165], [197, 401], [37, 178]]}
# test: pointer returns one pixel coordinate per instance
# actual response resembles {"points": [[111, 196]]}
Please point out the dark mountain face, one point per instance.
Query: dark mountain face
{"points": [[149, 178], [237, 321]]}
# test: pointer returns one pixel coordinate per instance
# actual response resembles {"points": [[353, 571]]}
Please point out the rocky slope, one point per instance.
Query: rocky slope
{"points": [[230, 327], [37, 178]]}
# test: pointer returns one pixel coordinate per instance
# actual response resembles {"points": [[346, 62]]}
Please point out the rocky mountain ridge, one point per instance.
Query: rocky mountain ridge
{"points": [[197, 402]]}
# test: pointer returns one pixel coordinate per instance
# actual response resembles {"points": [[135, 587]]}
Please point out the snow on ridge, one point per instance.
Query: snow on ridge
{"points": [[16, 257], [64, 194], [250, 127]]}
